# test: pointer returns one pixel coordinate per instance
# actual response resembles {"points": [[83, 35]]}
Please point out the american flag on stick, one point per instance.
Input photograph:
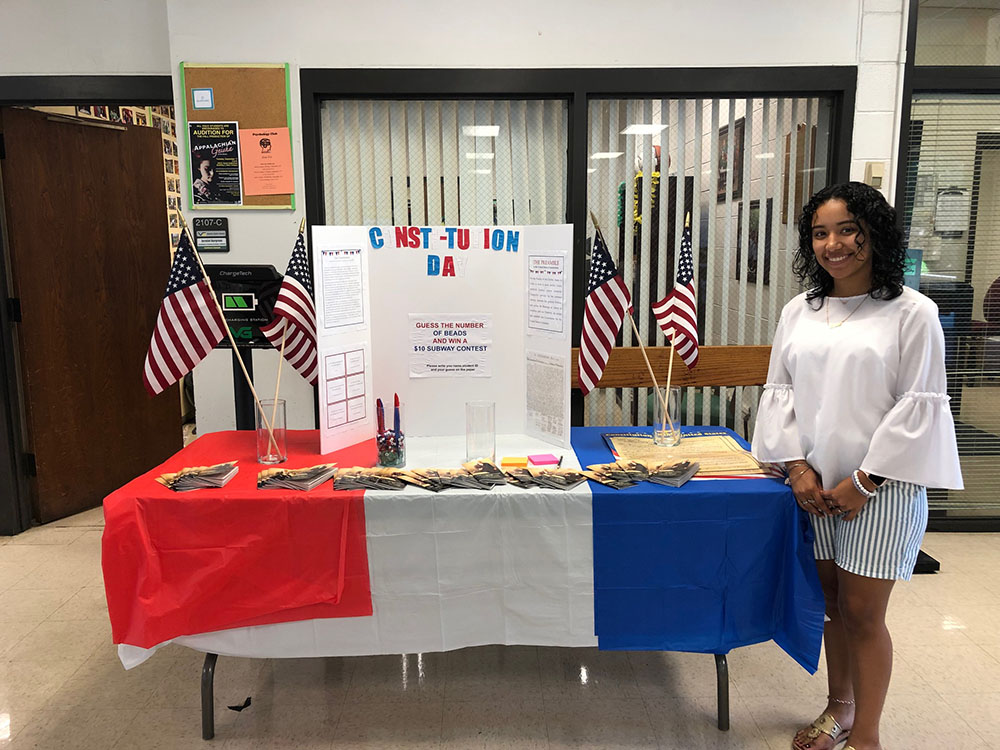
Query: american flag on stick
{"points": [[295, 315], [608, 301], [677, 313], [188, 325]]}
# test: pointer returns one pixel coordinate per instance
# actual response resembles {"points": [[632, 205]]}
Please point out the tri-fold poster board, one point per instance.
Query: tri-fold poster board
{"points": [[443, 316]]}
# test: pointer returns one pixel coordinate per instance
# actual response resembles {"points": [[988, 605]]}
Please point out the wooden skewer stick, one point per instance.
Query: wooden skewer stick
{"points": [[642, 349], [670, 372], [229, 332], [277, 381]]}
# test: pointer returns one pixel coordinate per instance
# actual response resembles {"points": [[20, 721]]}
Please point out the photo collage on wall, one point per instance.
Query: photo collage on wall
{"points": [[160, 117]]}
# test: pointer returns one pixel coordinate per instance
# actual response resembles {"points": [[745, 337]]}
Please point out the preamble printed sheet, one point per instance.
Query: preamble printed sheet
{"points": [[546, 294], [343, 284]]}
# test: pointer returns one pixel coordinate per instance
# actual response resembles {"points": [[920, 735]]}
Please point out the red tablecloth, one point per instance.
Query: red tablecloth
{"points": [[179, 563]]}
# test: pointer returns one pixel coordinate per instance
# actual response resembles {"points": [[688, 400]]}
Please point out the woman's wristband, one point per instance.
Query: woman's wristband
{"points": [[790, 477], [860, 487]]}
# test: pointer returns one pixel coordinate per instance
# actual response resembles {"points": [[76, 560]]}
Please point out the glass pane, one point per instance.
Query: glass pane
{"points": [[742, 222], [958, 32], [445, 162], [952, 216]]}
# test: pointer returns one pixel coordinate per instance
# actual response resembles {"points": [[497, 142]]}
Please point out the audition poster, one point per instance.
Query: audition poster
{"points": [[215, 163]]}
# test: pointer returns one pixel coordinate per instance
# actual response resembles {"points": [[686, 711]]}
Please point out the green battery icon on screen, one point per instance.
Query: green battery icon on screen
{"points": [[239, 301]]}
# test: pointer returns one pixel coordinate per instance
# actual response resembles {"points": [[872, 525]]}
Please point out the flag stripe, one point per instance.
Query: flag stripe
{"points": [[677, 313], [177, 328], [183, 304], [296, 308], [188, 323], [606, 305]]}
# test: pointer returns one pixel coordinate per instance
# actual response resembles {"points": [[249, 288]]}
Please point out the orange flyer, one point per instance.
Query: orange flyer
{"points": [[267, 161]]}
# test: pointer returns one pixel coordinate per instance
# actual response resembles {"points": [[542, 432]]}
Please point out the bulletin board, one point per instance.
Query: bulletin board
{"points": [[256, 96]]}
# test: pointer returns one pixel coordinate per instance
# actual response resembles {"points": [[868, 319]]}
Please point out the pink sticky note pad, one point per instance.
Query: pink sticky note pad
{"points": [[543, 459]]}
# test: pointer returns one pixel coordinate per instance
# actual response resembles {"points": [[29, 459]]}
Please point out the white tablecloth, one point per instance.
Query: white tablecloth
{"points": [[450, 570]]}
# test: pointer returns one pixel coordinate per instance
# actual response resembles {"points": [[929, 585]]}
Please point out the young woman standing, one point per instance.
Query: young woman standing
{"points": [[856, 409]]}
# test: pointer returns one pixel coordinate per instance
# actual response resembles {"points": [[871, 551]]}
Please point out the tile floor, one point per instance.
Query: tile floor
{"points": [[61, 685]]}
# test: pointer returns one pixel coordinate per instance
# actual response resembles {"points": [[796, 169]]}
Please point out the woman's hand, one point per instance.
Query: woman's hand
{"points": [[844, 499], [807, 490]]}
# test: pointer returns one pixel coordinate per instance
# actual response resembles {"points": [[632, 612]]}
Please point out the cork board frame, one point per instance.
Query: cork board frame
{"points": [[253, 95]]}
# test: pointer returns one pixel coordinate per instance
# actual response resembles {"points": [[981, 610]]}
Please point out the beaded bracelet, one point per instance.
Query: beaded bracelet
{"points": [[860, 487]]}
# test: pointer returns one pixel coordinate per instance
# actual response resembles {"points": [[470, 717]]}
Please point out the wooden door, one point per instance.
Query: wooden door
{"points": [[85, 209]]}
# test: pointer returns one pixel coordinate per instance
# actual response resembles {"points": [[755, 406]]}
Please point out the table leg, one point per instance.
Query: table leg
{"points": [[722, 685], [208, 696]]}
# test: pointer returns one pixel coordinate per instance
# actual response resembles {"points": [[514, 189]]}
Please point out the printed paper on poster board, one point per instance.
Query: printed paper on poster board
{"points": [[215, 163]]}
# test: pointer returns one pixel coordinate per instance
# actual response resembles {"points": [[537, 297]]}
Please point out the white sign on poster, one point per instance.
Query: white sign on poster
{"points": [[547, 324], [451, 345], [546, 385], [546, 297], [344, 301], [346, 411], [344, 375]]}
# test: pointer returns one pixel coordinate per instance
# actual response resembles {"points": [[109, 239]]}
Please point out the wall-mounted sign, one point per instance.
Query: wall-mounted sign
{"points": [[202, 99], [211, 235], [247, 295]]}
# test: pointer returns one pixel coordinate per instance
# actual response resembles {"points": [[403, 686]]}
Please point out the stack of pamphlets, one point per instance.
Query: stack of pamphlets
{"points": [[199, 477], [557, 479], [474, 475], [620, 474], [308, 478], [623, 474], [519, 476], [363, 478], [673, 474], [486, 473]]}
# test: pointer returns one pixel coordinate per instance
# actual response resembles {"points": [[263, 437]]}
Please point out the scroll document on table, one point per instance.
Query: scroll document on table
{"points": [[716, 454]]}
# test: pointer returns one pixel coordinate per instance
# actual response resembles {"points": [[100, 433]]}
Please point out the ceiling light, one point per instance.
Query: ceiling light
{"points": [[643, 129], [487, 131], [607, 154], [591, 169], [767, 155], [479, 155], [482, 171]]}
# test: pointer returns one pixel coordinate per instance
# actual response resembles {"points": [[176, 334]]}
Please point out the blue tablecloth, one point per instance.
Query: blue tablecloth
{"points": [[706, 567]]}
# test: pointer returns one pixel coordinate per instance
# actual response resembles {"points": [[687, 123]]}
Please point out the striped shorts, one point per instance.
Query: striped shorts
{"points": [[883, 540]]}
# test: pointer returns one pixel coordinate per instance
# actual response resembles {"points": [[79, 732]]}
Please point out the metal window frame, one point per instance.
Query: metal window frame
{"points": [[577, 86], [939, 79]]}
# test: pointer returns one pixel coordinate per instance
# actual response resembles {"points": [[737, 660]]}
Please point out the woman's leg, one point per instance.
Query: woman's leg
{"points": [[838, 664], [862, 603]]}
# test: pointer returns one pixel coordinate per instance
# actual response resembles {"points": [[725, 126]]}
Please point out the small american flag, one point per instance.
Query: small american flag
{"points": [[608, 301], [677, 313], [188, 325], [295, 313]]}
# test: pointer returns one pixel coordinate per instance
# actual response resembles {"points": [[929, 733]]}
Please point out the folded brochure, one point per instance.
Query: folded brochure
{"points": [[199, 477], [304, 479]]}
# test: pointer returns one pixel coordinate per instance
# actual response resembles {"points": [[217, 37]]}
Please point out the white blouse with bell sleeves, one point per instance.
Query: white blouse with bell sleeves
{"points": [[869, 393]]}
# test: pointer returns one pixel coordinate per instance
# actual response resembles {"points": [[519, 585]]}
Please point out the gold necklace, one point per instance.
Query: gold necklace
{"points": [[838, 325]]}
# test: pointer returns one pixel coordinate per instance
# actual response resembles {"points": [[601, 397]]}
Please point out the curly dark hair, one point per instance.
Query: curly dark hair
{"points": [[877, 222]]}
